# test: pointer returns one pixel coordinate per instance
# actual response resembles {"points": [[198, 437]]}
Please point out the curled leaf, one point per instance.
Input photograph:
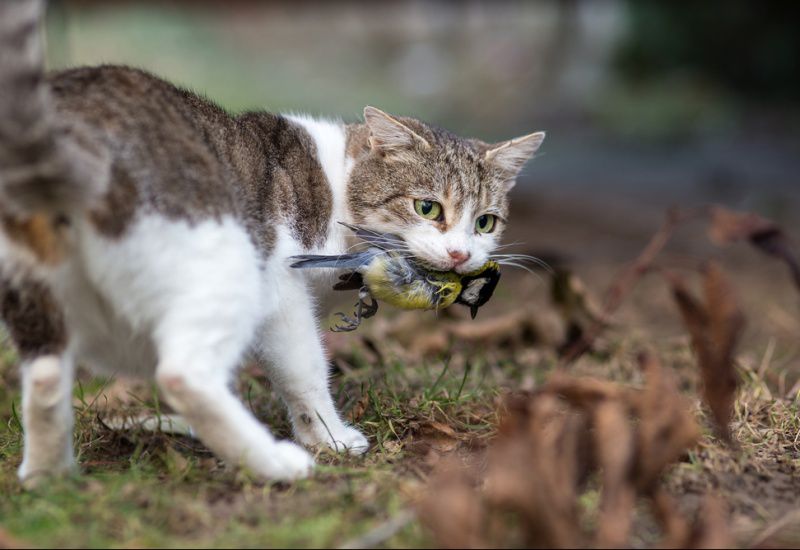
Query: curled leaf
{"points": [[714, 328], [728, 226]]}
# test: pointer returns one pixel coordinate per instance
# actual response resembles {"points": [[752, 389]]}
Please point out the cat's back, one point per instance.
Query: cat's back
{"points": [[114, 97], [167, 145]]}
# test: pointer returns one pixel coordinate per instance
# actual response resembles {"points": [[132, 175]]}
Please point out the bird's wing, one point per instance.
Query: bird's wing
{"points": [[386, 241], [343, 261]]}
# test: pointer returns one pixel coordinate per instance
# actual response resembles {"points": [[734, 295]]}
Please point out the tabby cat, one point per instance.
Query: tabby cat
{"points": [[145, 231]]}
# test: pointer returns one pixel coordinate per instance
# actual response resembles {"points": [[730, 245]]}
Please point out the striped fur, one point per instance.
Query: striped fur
{"points": [[146, 231]]}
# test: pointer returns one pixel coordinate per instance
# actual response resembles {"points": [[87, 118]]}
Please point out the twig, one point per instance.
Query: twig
{"points": [[788, 518], [625, 282], [383, 532]]}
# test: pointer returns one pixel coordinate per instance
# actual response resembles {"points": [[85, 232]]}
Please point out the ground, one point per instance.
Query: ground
{"points": [[427, 388]]}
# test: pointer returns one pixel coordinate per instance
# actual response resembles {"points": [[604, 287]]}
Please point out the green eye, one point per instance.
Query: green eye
{"points": [[430, 210], [485, 223]]}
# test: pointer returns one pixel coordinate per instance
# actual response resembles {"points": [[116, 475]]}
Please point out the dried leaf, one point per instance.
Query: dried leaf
{"points": [[666, 425], [452, 511], [443, 428], [550, 441], [579, 310], [675, 527], [357, 412], [711, 528], [573, 299], [513, 329], [583, 392], [533, 471], [728, 226], [714, 328], [615, 447], [726, 324]]}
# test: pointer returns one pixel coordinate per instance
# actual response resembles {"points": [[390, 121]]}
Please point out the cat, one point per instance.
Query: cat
{"points": [[145, 231]]}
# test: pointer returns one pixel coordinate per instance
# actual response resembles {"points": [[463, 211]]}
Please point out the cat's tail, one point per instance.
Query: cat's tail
{"points": [[47, 165]]}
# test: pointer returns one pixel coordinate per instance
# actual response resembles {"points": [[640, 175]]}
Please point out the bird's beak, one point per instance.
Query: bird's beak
{"points": [[473, 311]]}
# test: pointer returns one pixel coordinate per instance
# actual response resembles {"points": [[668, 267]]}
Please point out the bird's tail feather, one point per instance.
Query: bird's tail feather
{"points": [[344, 261]]}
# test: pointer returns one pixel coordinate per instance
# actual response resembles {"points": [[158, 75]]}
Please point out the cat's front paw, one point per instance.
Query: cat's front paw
{"points": [[333, 434], [288, 462], [347, 440]]}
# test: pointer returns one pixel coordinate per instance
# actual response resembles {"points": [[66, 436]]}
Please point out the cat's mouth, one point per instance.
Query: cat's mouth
{"points": [[397, 244]]}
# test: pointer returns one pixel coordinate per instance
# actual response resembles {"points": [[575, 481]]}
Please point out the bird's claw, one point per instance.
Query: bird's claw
{"points": [[368, 310], [351, 323], [364, 310]]}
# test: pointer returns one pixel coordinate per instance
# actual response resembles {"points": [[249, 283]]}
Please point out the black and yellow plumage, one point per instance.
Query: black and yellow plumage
{"points": [[383, 273]]}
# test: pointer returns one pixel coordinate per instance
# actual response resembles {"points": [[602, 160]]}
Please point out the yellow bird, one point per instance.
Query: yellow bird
{"points": [[381, 273]]}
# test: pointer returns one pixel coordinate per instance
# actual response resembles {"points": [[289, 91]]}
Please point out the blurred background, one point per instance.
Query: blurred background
{"points": [[643, 101], [646, 103]]}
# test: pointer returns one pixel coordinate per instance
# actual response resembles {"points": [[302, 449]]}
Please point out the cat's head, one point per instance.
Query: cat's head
{"points": [[446, 196]]}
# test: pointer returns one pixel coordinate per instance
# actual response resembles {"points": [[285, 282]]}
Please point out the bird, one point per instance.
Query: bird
{"points": [[384, 272]]}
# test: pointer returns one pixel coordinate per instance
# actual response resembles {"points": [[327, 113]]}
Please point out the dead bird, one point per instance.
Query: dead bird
{"points": [[383, 273]]}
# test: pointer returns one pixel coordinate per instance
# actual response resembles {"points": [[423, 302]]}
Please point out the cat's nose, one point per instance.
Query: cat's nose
{"points": [[458, 256]]}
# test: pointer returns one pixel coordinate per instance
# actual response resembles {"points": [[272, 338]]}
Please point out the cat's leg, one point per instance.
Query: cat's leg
{"points": [[220, 420], [36, 325], [297, 368], [47, 418], [197, 358], [212, 304]]}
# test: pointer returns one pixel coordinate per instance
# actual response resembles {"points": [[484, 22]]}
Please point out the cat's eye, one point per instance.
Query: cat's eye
{"points": [[485, 223], [430, 210]]}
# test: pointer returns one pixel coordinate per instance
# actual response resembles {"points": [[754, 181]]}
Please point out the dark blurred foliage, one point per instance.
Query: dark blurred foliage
{"points": [[749, 47]]}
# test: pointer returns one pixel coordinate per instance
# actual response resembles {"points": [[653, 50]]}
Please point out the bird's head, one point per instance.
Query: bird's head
{"points": [[478, 286]]}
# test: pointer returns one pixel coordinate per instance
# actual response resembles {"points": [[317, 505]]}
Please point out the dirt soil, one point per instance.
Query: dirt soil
{"points": [[430, 392]]}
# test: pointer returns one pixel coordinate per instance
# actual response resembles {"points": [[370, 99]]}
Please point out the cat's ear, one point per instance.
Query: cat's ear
{"points": [[388, 135], [510, 156]]}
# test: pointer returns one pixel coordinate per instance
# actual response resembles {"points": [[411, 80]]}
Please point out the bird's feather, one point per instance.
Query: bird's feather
{"points": [[343, 261]]}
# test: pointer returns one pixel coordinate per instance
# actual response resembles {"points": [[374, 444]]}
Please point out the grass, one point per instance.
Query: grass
{"points": [[153, 489]]}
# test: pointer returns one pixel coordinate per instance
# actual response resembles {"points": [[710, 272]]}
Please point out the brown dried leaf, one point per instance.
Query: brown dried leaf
{"points": [[357, 412], [533, 470], [725, 326], [615, 447], [666, 425], [675, 527], [512, 329], [714, 329], [451, 509], [549, 442], [443, 428], [573, 299], [579, 310], [583, 392], [728, 226], [711, 528]]}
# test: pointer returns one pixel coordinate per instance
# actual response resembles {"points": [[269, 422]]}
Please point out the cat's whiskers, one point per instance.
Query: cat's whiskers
{"points": [[508, 245], [520, 266], [523, 258]]}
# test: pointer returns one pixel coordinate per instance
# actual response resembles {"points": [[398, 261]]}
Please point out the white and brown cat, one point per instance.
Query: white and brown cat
{"points": [[145, 231]]}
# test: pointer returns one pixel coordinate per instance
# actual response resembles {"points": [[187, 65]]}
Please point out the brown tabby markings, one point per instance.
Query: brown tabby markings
{"points": [[33, 318], [39, 234], [181, 156], [452, 172]]}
